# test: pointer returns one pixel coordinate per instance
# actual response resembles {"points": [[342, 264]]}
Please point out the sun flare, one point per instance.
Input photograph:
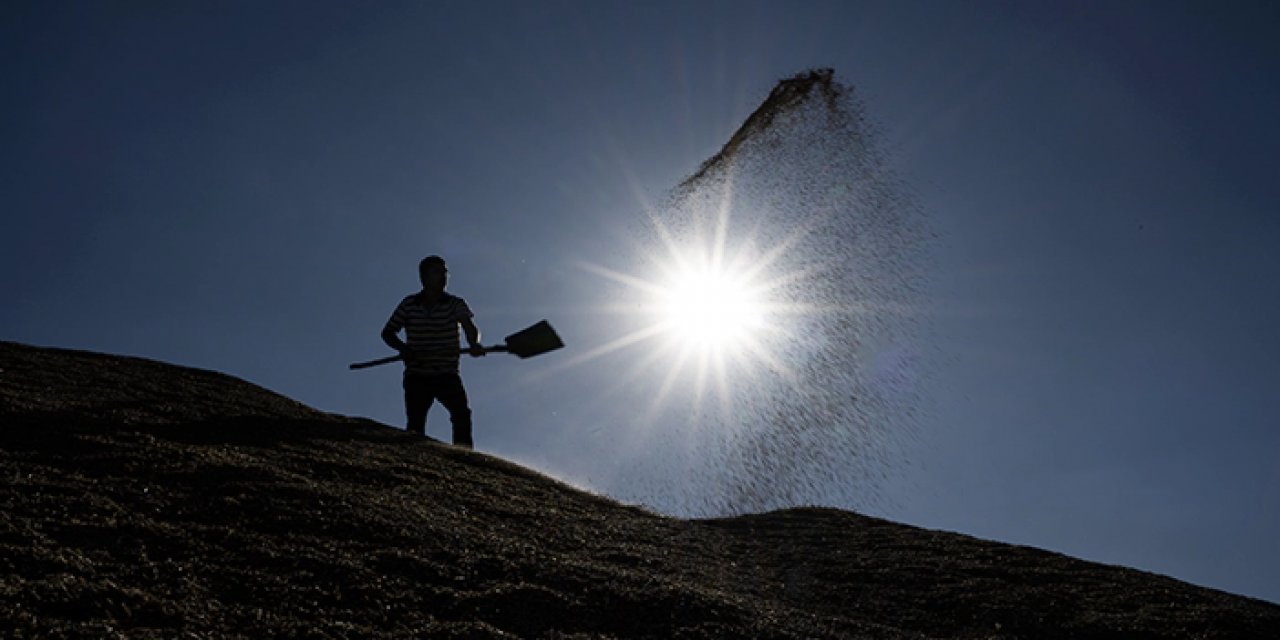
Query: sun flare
{"points": [[712, 306], [708, 308], [711, 312]]}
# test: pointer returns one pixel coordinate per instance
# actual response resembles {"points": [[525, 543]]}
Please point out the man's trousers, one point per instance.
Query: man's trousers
{"points": [[420, 390]]}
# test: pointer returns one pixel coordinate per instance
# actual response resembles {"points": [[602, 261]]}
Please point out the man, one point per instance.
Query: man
{"points": [[430, 319]]}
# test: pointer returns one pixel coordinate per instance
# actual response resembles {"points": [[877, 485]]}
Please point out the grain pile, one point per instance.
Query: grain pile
{"points": [[144, 500]]}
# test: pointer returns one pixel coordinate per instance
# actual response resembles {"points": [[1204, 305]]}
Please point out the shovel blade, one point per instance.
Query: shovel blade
{"points": [[536, 340]]}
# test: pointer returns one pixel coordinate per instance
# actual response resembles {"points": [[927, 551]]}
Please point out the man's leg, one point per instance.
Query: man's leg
{"points": [[417, 399], [453, 396]]}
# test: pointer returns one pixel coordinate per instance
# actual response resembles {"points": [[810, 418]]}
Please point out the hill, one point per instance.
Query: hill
{"points": [[150, 500]]}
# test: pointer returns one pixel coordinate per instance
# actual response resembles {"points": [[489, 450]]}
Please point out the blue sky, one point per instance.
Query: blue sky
{"points": [[247, 187]]}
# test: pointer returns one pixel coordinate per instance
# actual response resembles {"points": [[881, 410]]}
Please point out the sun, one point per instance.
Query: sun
{"points": [[710, 308], [707, 317]]}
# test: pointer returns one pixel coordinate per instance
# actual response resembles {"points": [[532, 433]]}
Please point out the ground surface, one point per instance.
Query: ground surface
{"points": [[145, 500]]}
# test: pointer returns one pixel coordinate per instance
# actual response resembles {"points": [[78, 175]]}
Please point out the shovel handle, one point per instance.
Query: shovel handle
{"points": [[374, 363], [502, 348]]}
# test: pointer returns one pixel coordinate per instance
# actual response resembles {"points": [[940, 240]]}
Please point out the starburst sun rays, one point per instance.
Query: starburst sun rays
{"points": [[713, 311]]}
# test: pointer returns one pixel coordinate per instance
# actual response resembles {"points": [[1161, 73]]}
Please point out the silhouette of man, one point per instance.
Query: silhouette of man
{"points": [[430, 319]]}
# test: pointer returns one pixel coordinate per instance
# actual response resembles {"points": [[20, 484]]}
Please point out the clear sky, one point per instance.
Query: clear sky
{"points": [[248, 186]]}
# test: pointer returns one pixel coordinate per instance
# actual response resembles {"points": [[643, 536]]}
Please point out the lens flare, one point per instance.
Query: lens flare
{"points": [[711, 308]]}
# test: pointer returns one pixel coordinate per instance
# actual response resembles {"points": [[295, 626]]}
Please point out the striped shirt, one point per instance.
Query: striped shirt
{"points": [[431, 330]]}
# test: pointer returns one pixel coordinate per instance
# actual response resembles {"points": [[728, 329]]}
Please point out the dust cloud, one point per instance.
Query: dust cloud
{"points": [[817, 414]]}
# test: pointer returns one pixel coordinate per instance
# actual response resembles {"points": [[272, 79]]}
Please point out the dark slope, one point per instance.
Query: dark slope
{"points": [[144, 499]]}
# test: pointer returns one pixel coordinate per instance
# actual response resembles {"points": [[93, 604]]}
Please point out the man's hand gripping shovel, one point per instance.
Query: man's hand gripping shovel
{"points": [[536, 340]]}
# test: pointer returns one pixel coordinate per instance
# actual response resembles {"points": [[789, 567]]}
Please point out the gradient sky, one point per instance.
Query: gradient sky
{"points": [[248, 186]]}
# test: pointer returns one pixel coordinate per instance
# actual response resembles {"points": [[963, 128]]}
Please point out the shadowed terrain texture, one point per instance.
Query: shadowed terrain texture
{"points": [[149, 500]]}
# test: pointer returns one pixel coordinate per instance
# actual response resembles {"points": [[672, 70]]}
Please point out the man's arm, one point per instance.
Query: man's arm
{"points": [[392, 338], [391, 330], [473, 336]]}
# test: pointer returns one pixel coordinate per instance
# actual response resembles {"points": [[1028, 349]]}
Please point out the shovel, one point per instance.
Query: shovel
{"points": [[536, 340]]}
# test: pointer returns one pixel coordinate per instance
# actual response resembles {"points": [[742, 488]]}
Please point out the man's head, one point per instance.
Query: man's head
{"points": [[433, 273]]}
